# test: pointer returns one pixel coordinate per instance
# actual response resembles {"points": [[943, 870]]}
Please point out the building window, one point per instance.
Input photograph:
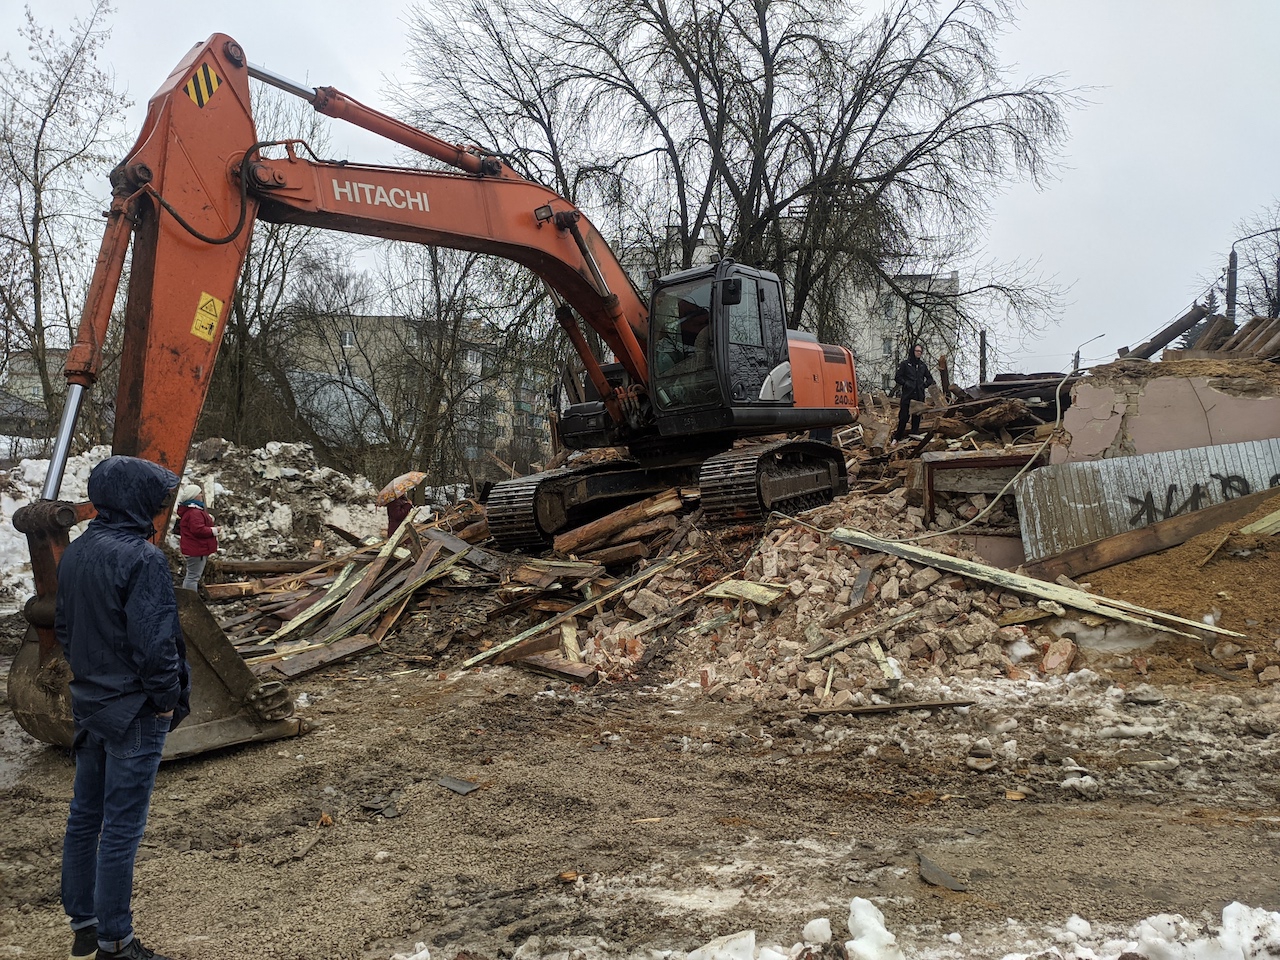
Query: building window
{"points": [[347, 339], [886, 347]]}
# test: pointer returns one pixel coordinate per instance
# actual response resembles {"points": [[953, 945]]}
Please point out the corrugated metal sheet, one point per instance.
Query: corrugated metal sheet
{"points": [[1072, 504]]}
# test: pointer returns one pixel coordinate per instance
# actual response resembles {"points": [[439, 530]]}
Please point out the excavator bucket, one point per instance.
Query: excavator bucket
{"points": [[229, 704]]}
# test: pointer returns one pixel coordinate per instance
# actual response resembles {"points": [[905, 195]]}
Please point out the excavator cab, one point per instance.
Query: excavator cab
{"points": [[719, 342]]}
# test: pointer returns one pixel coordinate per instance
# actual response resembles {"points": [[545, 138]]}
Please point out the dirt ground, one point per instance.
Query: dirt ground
{"points": [[641, 816]]}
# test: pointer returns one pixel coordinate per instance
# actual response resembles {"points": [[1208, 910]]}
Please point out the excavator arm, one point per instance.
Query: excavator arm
{"points": [[192, 187]]}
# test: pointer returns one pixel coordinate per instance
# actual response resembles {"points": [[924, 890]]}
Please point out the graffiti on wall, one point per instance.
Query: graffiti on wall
{"points": [[1230, 486]]}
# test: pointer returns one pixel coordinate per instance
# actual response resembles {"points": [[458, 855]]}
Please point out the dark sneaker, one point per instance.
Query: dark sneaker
{"points": [[86, 945], [134, 950]]}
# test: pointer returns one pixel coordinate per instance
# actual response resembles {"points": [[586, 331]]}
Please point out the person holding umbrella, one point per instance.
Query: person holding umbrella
{"points": [[397, 510], [395, 497]]}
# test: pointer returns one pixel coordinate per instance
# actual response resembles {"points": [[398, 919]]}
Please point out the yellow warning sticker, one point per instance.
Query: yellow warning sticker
{"points": [[207, 314], [204, 83]]}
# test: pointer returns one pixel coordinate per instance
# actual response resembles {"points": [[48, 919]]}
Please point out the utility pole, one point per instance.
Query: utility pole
{"points": [[982, 356], [1075, 362], [1232, 264]]}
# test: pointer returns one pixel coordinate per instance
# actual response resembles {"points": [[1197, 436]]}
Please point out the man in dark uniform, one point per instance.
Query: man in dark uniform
{"points": [[116, 619], [913, 377]]}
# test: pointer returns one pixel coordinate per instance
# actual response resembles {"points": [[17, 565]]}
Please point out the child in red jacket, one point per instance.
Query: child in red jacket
{"points": [[197, 536]]}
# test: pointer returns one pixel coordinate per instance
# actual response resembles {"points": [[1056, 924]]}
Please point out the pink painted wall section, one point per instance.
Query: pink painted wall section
{"points": [[1124, 418]]}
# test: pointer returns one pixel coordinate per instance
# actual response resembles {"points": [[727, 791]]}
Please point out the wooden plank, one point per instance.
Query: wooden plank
{"points": [[295, 607], [389, 620], [418, 576], [347, 535], [867, 634], [334, 595], [560, 668], [599, 531], [621, 586], [844, 616], [1138, 543], [855, 710], [681, 535], [324, 655], [473, 555], [546, 643], [619, 554], [259, 567], [1268, 526], [1110, 607], [370, 576]]}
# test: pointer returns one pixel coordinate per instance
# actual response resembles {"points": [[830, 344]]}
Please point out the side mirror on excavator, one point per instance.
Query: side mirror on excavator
{"points": [[731, 291]]}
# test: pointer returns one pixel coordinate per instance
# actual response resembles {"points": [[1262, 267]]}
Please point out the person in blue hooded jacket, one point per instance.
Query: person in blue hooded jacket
{"points": [[116, 618]]}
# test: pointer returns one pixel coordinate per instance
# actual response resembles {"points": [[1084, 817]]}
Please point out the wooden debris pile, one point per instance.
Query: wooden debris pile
{"points": [[315, 613]]}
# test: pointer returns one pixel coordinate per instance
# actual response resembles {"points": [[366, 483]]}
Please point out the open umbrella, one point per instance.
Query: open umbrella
{"points": [[399, 486]]}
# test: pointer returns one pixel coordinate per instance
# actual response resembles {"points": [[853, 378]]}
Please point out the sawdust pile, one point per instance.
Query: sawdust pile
{"points": [[1238, 583]]}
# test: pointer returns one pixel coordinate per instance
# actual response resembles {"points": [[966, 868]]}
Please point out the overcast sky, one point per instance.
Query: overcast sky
{"points": [[1178, 143]]}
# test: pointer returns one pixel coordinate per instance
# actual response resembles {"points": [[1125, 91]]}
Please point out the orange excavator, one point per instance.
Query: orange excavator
{"points": [[707, 361]]}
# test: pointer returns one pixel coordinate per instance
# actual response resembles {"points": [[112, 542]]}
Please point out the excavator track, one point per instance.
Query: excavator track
{"points": [[512, 511], [787, 476], [526, 513]]}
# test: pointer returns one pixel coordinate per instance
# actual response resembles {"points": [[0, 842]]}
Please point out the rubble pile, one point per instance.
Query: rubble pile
{"points": [[269, 500], [844, 627]]}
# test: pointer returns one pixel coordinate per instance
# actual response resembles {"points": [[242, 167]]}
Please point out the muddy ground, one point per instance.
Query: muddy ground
{"points": [[643, 816]]}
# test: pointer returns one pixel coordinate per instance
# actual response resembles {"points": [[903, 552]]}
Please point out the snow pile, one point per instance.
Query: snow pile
{"points": [[273, 501], [1246, 933], [18, 487]]}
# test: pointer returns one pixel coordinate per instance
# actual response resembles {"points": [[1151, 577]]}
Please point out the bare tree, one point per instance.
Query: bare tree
{"points": [[58, 135], [790, 135], [1258, 283]]}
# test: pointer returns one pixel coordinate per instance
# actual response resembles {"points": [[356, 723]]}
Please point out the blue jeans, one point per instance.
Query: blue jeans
{"points": [[114, 779]]}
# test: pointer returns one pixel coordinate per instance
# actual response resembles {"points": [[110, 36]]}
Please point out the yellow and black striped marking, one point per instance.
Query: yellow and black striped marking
{"points": [[203, 84]]}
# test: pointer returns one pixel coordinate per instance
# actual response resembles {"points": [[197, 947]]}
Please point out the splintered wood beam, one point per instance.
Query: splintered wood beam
{"points": [[371, 574], [619, 554], [346, 580], [601, 530], [324, 655], [419, 576], [1110, 607]]}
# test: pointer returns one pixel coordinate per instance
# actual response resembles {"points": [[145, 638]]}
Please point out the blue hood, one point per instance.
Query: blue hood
{"points": [[129, 492]]}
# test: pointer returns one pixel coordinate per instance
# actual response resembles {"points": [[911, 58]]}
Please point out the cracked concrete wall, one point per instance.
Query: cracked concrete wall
{"points": [[1128, 416]]}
